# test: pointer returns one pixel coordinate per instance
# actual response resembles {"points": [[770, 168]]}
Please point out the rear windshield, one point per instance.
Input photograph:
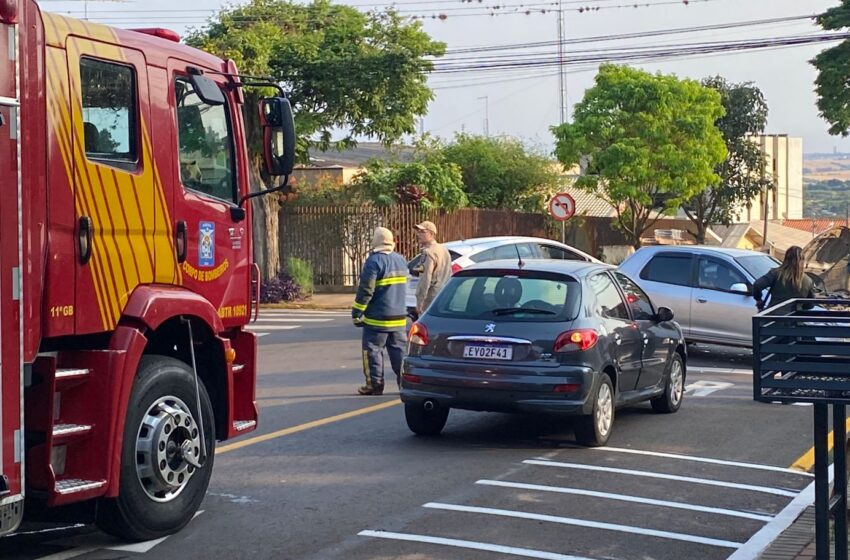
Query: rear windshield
{"points": [[491, 295]]}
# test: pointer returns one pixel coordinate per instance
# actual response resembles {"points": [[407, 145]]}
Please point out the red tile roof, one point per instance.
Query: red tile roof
{"points": [[820, 225]]}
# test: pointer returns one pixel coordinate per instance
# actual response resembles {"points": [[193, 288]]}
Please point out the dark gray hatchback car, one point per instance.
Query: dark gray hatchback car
{"points": [[562, 337]]}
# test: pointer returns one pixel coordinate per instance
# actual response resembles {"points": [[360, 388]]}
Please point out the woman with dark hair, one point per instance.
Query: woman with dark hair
{"points": [[788, 281]]}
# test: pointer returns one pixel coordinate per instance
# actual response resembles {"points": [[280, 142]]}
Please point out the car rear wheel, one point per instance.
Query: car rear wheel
{"points": [[674, 388], [595, 429], [425, 422]]}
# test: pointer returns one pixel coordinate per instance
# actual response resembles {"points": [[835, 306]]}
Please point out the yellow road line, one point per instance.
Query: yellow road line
{"points": [[306, 426], [807, 459]]}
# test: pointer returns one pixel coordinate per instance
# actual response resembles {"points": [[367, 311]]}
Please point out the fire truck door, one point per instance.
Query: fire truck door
{"points": [[11, 378], [116, 187], [215, 240]]}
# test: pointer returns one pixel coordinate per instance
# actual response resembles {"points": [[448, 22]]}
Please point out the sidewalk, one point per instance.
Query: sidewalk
{"points": [[317, 301], [797, 542]]}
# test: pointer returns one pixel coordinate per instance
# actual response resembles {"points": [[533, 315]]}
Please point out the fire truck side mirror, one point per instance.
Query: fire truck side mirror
{"points": [[278, 124], [207, 90]]}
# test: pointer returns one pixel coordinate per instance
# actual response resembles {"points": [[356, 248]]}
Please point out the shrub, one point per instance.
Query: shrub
{"points": [[302, 273], [280, 288]]}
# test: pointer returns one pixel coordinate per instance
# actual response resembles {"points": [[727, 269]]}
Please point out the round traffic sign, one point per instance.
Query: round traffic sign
{"points": [[562, 207]]}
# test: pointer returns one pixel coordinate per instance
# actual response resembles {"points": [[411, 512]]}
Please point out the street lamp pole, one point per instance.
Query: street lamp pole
{"points": [[562, 75], [486, 99]]}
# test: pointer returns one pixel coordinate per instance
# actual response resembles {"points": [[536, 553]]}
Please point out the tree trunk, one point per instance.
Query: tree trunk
{"points": [[266, 230], [700, 233]]}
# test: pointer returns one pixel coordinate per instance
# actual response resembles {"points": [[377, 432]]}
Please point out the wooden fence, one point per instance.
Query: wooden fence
{"points": [[335, 240]]}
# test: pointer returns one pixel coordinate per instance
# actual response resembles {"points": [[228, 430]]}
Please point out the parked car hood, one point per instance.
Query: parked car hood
{"points": [[827, 258]]}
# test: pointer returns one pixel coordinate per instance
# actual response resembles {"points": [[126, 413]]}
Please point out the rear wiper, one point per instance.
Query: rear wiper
{"points": [[517, 310]]}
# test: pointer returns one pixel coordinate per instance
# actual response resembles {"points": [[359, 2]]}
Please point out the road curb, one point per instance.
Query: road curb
{"points": [[797, 542]]}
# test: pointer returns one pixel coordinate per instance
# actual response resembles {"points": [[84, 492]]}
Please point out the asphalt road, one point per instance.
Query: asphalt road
{"points": [[703, 483]]}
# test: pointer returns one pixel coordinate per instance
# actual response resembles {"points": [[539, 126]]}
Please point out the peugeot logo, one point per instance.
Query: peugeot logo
{"points": [[490, 327]]}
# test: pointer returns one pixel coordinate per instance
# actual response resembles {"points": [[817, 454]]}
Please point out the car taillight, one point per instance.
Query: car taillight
{"points": [[567, 388], [576, 341], [456, 267], [418, 335], [410, 378]]}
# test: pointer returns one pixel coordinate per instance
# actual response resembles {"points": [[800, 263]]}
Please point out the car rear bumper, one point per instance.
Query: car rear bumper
{"points": [[506, 390]]}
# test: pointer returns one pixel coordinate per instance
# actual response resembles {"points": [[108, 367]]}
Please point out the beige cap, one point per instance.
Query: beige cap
{"points": [[383, 239], [427, 226]]}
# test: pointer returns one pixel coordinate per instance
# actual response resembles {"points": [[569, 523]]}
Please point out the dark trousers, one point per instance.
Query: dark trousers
{"points": [[374, 342]]}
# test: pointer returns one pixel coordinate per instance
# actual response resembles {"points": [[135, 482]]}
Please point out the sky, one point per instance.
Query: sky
{"points": [[525, 103]]}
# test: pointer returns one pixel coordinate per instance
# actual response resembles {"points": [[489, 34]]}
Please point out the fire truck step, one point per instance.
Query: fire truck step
{"points": [[238, 368], [74, 485], [61, 431], [242, 425]]}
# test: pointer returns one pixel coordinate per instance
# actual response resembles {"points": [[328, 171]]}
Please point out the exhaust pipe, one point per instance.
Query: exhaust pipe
{"points": [[429, 405]]}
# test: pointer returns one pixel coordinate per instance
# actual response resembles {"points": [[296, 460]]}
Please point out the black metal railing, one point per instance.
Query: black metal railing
{"points": [[801, 353]]}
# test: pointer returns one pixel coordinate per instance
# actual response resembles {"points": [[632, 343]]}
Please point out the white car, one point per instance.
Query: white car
{"points": [[470, 251]]}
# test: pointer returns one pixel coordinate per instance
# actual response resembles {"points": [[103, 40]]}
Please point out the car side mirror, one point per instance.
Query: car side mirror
{"points": [[740, 288], [664, 314], [278, 124]]}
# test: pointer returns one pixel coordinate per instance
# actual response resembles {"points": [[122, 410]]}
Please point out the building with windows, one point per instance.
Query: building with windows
{"points": [[784, 164]]}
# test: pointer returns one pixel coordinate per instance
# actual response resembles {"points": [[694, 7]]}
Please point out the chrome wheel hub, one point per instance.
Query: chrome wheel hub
{"points": [[168, 448], [604, 409], [677, 382]]}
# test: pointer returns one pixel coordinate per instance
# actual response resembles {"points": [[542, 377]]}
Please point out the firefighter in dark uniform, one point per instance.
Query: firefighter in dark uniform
{"points": [[379, 308]]}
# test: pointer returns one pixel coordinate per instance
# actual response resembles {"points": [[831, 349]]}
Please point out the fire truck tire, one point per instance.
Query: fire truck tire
{"points": [[160, 432]]}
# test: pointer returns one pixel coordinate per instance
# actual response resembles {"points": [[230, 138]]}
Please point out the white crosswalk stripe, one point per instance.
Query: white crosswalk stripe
{"points": [[272, 321]]}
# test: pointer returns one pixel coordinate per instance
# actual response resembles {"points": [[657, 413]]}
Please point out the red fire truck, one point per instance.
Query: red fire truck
{"points": [[126, 276]]}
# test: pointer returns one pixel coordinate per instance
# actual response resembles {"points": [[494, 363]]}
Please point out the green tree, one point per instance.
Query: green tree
{"points": [[648, 142], [501, 173], [347, 72], [431, 183], [833, 67], [742, 173]]}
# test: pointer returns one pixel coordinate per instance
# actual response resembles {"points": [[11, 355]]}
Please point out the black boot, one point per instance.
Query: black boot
{"points": [[371, 390]]}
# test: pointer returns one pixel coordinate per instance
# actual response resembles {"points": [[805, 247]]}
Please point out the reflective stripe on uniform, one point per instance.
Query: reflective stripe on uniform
{"points": [[391, 280], [358, 306], [386, 324]]}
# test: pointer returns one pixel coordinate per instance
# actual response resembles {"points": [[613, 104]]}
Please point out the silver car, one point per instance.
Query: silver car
{"points": [[709, 289], [484, 249]]}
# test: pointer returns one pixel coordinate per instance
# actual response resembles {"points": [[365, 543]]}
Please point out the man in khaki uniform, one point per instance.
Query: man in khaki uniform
{"points": [[435, 266]]}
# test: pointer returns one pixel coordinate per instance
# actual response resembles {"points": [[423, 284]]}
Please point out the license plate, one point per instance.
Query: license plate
{"points": [[488, 352]]}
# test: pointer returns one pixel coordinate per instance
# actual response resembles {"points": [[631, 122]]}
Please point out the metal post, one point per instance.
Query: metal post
{"points": [[486, 115], [839, 459], [562, 75], [821, 482], [564, 232]]}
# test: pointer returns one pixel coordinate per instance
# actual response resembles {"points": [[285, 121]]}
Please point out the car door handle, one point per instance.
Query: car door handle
{"points": [[702, 300], [84, 238], [181, 241]]}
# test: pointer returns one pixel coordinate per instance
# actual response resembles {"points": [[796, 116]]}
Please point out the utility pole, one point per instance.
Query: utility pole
{"points": [[562, 74], [486, 99]]}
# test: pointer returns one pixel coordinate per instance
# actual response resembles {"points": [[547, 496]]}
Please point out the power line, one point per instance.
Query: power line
{"points": [[470, 11], [638, 53], [636, 35]]}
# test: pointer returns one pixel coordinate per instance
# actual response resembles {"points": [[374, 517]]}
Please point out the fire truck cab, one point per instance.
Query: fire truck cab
{"points": [[126, 273]]}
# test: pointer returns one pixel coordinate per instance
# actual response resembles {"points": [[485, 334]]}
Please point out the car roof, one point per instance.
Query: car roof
{"points": [[700, 249], [475, 244], [575, 268]]}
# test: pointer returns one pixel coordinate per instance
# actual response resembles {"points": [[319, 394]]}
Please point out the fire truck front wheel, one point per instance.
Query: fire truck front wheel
{"points": [[164, 474]]}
